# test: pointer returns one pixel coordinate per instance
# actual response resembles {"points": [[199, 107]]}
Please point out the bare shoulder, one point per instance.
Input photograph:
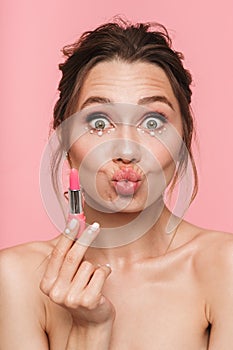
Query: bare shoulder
{"points": [[207, 243], [214, 247], [211, 251], [216, 251], [25, 261], [22, 304], [215, 274], [212, 257]]}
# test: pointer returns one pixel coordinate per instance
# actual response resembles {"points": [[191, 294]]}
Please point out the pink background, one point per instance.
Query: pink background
{"points": [[33, 32]]}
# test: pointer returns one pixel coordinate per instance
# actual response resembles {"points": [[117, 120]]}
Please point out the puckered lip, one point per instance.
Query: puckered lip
{"points": [[126, 174]]}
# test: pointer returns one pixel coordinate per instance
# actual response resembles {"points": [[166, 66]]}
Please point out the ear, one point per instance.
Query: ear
{"points": [[69, 159]]}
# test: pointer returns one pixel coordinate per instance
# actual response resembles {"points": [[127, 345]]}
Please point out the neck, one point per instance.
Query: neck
{"points": [[128, 237]]}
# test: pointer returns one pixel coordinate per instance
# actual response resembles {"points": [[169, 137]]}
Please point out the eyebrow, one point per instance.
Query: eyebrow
{"points": [[151, 99], [95, 99], [142, 101]]}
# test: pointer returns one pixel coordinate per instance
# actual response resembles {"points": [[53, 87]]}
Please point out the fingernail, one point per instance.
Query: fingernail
{"points": [[67, 231], [108, 265], [72, 224], [93, 228]]}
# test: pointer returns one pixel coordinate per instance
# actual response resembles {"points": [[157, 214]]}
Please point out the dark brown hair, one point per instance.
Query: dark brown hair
{"points": [[144, 42]]}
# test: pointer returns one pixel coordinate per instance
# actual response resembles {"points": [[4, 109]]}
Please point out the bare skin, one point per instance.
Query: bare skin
{"points": [[163, 302], [61, 295]]}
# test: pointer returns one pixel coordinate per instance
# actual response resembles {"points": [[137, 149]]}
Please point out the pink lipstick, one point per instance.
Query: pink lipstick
{"points": [[75, 200]]}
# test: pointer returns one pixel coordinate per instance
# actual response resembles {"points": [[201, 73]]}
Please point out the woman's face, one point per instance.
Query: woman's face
{"points": [[133, 133]]}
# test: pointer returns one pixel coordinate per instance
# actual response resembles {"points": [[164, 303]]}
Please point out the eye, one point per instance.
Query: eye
{"points": [[153, 121], [98, 121]]}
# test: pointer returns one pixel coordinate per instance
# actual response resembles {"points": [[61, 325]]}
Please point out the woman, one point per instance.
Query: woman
{"points": [[161, 283]]}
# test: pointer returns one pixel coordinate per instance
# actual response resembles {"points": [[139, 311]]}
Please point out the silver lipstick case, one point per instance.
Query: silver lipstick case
{"points": [[75, 201]]}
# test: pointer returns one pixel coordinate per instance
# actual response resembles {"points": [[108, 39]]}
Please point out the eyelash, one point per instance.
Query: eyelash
{"points": [[93, 118], [156, 116]]}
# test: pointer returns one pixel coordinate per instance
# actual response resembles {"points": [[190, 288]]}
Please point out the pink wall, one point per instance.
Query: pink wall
{"points": [[33, 32]]}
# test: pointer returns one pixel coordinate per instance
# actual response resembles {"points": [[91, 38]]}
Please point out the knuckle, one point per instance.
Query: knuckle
{"points": [[70, 259], [87, 266], [71, 301], [45, 285], [56, 296], [57, 253], [87, 302]]}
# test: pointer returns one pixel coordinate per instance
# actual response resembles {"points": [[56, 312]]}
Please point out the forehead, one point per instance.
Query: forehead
{"points": [[126, 82]]}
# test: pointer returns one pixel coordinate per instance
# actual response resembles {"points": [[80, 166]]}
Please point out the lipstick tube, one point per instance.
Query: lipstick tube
{"points": [[75, 201]]}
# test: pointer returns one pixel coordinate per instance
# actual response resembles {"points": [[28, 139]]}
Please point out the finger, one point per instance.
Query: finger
{"points": [[88, 236], [87, 292], [83, 276], [76, 253], [58, 255], [97, 281], [66, 256], [61, 288]]}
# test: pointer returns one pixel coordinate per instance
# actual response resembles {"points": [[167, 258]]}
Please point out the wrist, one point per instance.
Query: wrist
{"points": [[92, 336]]}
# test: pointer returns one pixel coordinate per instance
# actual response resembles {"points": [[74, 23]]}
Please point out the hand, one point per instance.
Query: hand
{"points": [[76, 284]]}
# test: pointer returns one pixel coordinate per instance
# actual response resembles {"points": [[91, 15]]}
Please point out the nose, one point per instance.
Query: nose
{"points": [[126, 151]]}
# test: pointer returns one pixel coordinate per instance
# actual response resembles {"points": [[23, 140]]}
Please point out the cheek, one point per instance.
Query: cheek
{"points": [[81, 150], [168, 165], [166, 153], [103, 185], [77, 153]]}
